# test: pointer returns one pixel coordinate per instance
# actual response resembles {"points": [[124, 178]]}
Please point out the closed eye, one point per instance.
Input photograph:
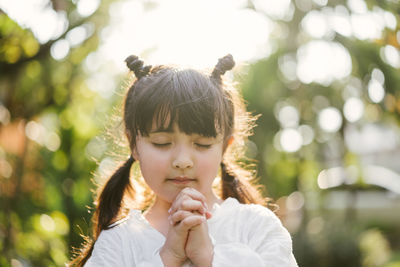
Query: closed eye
{"points": [[161, 144], [203, 145]]}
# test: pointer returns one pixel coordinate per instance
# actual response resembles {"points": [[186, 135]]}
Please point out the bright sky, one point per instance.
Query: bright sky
{"points": [[191, 33], [196, 33]]}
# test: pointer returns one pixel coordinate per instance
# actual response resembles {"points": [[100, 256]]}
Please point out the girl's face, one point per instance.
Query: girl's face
{"points": [[172, 160]]}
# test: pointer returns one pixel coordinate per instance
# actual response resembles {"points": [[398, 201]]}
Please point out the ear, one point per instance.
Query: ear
{"points": [[133, 149], [228, 141], [135, 155], [129, 136]]}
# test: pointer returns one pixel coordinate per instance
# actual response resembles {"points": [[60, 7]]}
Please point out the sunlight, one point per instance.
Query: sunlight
{"points": [[340, 21], [288, 116], [281, 9], [87, 7], [6, 169], [307, 134], [353, 109], [59, 49], [79, 34], [177, 32], [37, 15], [391, 56], [376, 92], [47, 223], [295, 201], [382, 176], [371, 138], [367, 26], [315, 24], [290, 140], [330, 119], [323, 62], [357, 6]]}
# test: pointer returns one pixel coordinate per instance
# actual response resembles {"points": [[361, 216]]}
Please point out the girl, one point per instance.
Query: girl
{"points": [[183, 128]]}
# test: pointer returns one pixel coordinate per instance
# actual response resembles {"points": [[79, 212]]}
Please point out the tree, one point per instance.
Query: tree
{"points": [[48, 120], [331, 78]]}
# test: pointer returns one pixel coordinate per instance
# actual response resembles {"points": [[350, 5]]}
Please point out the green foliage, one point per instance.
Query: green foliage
{"points": [[53, 116], [267, 89]]}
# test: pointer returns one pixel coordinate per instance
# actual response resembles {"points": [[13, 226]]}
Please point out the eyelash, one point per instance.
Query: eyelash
{"points": [[203, 146], [161, 145], [167, 144]]}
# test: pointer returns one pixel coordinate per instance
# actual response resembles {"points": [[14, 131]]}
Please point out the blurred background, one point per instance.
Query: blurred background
{"points": [[324, 75]]}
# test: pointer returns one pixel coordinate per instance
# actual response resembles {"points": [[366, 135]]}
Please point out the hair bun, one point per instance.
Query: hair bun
{"points": [[224, 64], [136, 65]]}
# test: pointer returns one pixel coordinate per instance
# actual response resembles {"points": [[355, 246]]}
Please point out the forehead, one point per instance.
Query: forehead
{"points": [[175, 132], [168, 126]]}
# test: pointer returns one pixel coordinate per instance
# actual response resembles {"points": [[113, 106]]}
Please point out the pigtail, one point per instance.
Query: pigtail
{"points": [[108, 208], [232, 186], [243, 190], [109, 201], [224, 64]]}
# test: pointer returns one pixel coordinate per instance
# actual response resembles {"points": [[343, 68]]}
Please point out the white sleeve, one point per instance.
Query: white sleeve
{"points": [[107, 250], [112, 249], [154, 261], [265, 242]]}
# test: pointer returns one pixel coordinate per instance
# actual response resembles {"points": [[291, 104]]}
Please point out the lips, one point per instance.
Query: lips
{"points": [[181, 180]]}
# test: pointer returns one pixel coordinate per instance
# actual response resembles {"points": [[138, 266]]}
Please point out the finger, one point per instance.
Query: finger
{"points": [[190, 222], [192, 206], [176, 205], [187, 193], [208, 215], [194, 194], [179, 216]]}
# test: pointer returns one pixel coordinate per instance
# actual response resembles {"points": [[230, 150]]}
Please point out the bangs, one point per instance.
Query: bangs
{"points": [[186, 98]]}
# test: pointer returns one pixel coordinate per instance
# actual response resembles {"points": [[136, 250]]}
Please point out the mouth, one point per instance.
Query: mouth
{"points": [[181, 180]]}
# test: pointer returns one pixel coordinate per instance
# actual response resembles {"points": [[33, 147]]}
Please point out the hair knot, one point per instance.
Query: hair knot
{"points": [[224, 64], [136, 65]]}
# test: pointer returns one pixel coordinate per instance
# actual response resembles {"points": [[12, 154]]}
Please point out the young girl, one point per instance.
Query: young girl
{"points": [[185, 130]]}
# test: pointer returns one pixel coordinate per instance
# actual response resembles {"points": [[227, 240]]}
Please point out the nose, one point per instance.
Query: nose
{"points": [[182, 159]]}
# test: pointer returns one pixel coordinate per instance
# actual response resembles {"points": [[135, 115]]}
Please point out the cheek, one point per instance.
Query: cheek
{"points": [[209, 163], [151, 161]]}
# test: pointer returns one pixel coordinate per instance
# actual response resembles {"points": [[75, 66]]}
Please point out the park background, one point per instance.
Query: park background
{"points": [[324, 75]]}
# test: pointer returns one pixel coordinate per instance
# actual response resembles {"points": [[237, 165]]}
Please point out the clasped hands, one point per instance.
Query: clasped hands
{"points": [[187, 236]]}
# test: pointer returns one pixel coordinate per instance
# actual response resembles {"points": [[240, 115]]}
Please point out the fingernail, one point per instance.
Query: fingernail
{"points": [[209, 215], [170, 209]]}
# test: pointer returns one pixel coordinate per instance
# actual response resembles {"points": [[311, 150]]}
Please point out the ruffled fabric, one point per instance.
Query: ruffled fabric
{"points": [[242, 235]]}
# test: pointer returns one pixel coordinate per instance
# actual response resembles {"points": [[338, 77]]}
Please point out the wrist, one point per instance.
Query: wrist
{"points": [[169, 260], [204, 260]]}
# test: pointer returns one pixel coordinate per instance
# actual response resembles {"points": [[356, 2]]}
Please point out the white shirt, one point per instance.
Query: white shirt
{"points": [[242, 235]]}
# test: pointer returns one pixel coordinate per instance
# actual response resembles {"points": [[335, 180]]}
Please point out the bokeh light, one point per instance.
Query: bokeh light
{"points": [[322, 62], [290, 140], [376, 92], [330, 119], [60, 49], [353, 109], [323, 77]]}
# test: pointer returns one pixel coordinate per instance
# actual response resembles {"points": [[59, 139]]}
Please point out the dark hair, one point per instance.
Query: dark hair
{"points": [[197, 103]]}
